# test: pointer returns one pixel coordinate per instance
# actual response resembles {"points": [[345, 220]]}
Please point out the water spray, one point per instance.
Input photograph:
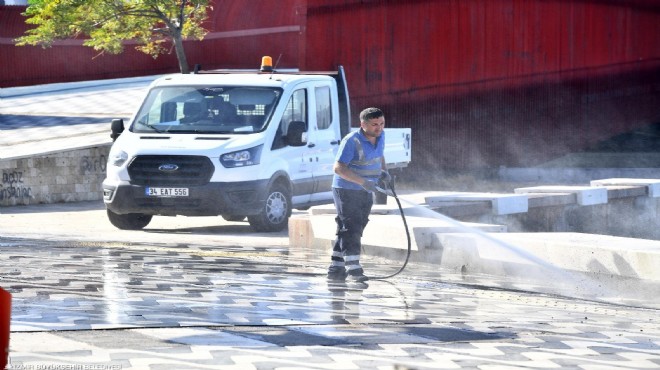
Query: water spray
{"points": [[549, 270], [590, 289], [562, 282]]}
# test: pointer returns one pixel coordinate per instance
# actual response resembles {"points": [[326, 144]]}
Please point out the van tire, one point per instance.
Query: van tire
{"points": [[276, 211], [130, 221]]}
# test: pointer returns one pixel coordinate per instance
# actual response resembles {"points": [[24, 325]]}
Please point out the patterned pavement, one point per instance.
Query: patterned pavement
{"points": [[215, 302], [113, 305]]}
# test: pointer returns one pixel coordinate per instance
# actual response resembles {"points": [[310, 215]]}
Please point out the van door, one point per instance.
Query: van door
{"points": [[297, 157], [323, 141]]}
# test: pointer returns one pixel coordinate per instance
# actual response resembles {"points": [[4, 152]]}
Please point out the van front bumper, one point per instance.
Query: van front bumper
{"points": [[212, 199]]}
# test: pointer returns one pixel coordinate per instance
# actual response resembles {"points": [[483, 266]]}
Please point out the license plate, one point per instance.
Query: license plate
{"points": [[166, 192]]}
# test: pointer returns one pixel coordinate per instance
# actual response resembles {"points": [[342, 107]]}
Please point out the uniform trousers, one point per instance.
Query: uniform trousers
{"points": [[353, 208]]}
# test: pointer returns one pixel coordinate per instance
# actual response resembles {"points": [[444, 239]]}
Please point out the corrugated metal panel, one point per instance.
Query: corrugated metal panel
{"points": [[67, 60], [481, 82], [240, 33], [495, 82], [402, 45]]}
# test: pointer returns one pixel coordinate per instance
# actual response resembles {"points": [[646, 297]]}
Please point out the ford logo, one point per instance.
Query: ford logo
{"points": [[168, 167]]}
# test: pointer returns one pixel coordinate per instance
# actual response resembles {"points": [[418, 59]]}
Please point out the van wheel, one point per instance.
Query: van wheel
{"points": [[130, 221], [276, 211], [233, 217]]}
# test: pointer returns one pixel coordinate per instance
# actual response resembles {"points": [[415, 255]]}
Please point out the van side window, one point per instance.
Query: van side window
{"points": [[323, 111], [296, 110]]}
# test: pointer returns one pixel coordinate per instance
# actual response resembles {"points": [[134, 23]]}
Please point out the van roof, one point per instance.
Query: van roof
{"points": [[239, 79]]}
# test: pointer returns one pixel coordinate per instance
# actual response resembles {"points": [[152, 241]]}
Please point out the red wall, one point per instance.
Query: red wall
{"points": [[240, 33], [67, 60], [423, 44], [244, 31], [483, 83]]}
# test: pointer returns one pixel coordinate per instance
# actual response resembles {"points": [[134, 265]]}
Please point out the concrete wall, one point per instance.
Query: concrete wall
{"points": [[67, 176], [628, 217], [634, 217], [629, 211]]}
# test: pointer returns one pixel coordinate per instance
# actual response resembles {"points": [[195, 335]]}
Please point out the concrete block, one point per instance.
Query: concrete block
{"points": [[502, 204], [550, 200], [82, 188], [464, 209], [61, 189], [68, 197], [381, 231], [585, 195], [620, 192], [596, 254], [615, 269], [652, 185], [22, 163], [386, 229]]}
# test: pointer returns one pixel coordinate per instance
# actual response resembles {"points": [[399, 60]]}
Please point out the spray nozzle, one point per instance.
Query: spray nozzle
{"points": [[385, 191], [386, 185]]}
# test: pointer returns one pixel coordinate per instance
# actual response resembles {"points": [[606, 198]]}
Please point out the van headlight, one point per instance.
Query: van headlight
{"points": [[242, 158], [117, 158]]}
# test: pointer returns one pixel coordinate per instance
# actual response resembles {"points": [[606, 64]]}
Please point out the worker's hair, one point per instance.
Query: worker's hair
{"points": [[370, 113]]}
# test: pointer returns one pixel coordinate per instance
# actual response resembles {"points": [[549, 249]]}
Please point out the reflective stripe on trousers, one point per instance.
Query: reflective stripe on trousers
{"points": [[353, 208]]}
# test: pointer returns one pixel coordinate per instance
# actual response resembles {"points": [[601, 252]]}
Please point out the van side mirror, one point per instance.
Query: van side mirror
{"points": [[295, 134], [116, 128]]}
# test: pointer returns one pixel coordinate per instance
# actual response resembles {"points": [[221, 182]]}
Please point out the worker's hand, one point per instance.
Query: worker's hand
{"points": [[385, 177], [369, 186]]}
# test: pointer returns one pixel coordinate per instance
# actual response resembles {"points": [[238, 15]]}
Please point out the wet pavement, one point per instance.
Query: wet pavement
{"points": [[204, 293]]}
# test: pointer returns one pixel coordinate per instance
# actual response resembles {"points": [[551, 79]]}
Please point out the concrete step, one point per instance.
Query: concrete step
{"points": [[385, 228]]}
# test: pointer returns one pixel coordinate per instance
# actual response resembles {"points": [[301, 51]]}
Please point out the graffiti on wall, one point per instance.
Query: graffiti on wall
{"points": [[91, 165], [12, 186]]}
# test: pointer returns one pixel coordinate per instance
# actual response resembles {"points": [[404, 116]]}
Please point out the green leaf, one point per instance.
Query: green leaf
{"points": [[155, 25]]}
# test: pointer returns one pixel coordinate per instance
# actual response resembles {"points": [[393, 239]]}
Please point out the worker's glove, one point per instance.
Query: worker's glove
{"points": [[385, 177], [369, 186]]}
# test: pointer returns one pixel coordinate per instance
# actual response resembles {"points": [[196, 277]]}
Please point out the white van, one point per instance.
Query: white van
{"points": [[238, 144]]}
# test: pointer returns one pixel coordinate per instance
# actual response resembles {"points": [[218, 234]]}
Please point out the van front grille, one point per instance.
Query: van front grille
{"points": [[170, 170]]}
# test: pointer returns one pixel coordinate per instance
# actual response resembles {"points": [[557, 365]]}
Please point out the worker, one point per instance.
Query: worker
{"points": [[358, 166]]}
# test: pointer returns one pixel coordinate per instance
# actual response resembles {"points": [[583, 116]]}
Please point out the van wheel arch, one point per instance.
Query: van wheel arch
{"points": [[277, 207]]}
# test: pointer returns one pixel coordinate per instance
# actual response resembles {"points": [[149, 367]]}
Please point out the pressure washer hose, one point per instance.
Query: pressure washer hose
{"points": [[405, 224]]}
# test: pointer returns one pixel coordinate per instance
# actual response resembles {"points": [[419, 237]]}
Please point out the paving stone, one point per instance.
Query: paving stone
{"points": [[80, 306]]}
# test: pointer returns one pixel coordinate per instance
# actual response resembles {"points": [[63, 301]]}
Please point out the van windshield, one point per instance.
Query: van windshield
{"points": [[207, 110]]}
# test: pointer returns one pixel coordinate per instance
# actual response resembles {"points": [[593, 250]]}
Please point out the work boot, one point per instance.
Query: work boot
{"points": [[336, 275], [357, 278]]}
